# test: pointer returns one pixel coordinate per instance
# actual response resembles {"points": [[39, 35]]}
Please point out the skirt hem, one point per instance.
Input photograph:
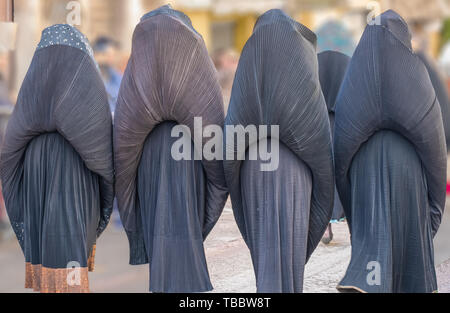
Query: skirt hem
{"points": [[56, 280]]}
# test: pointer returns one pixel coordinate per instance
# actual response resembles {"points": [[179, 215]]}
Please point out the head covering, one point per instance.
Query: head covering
{"points": [[58, 139], [65, 35], [390, 161], [392, 91], [334, 36], [169, 77], [332, 68], [277, 83]]}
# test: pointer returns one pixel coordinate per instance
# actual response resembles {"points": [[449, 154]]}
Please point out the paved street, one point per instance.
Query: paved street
{"points": [[228, 259]]}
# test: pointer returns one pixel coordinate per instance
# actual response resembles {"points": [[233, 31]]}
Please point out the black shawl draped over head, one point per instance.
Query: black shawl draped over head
{"points": [[332, 68], [277, 83], [57, 158], [170, 79], [390, 162]]}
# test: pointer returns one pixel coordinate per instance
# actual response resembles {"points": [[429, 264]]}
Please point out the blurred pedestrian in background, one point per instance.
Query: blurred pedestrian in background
{"points": [[226, 62], [334, 40], [332, 68], [106, 54], [334, 36], [6, 108]]}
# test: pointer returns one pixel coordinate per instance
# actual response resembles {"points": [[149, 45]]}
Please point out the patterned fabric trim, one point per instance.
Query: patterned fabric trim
{"points": [[50, 280], [64, 34], [19, 231], [91, 260]]}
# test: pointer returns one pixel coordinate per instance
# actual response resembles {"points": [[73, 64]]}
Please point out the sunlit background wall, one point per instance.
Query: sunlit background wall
{"points": [[224, 24]]}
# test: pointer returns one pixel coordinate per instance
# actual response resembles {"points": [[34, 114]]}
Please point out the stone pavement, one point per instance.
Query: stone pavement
{"points": [[228, 258]]}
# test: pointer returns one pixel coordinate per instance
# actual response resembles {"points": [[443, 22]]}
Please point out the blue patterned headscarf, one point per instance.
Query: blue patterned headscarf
{"points": [[334, 36]]}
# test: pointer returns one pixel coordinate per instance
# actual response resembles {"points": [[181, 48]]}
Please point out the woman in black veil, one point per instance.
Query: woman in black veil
{"points": [[57, 163], [332, 67], [168, 206], [281, 213], [390, 156]]}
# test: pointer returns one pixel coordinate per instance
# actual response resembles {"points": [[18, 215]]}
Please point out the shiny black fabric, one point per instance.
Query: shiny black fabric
{"points": [[332, 67], [169, 77], [56, 162], [277, 83], [390, 160]]}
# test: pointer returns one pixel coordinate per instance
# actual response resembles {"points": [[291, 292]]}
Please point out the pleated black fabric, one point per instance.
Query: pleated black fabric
{"points": [[440, 87], [62, 203], [277, 83], [169, 77], [332, 67], [276, 209], [57, 158], [173, 224], [390, 160]]}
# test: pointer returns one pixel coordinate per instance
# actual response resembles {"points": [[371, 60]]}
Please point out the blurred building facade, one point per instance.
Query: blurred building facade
{"points": [[424, 19], [224, 24]]}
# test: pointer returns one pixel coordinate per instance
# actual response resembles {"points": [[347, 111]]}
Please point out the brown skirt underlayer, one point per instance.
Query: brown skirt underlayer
{"points": [[59, 280]]}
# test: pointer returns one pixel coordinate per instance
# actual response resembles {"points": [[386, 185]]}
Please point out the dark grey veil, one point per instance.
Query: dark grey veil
{"points": [[390, 160], [57, 162], [170, 79], [277, 83], [332, 68]]}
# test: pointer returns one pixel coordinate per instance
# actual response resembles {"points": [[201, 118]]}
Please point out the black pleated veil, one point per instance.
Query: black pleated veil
{"points": [[57, 161], [440, 87], [167, 207], [332, 68], [277, 83], [390, 156]]}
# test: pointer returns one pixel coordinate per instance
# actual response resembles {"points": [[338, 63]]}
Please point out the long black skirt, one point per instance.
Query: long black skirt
{"points": [[276, 209], [61, 214], [172, 198], [392, 243]]}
